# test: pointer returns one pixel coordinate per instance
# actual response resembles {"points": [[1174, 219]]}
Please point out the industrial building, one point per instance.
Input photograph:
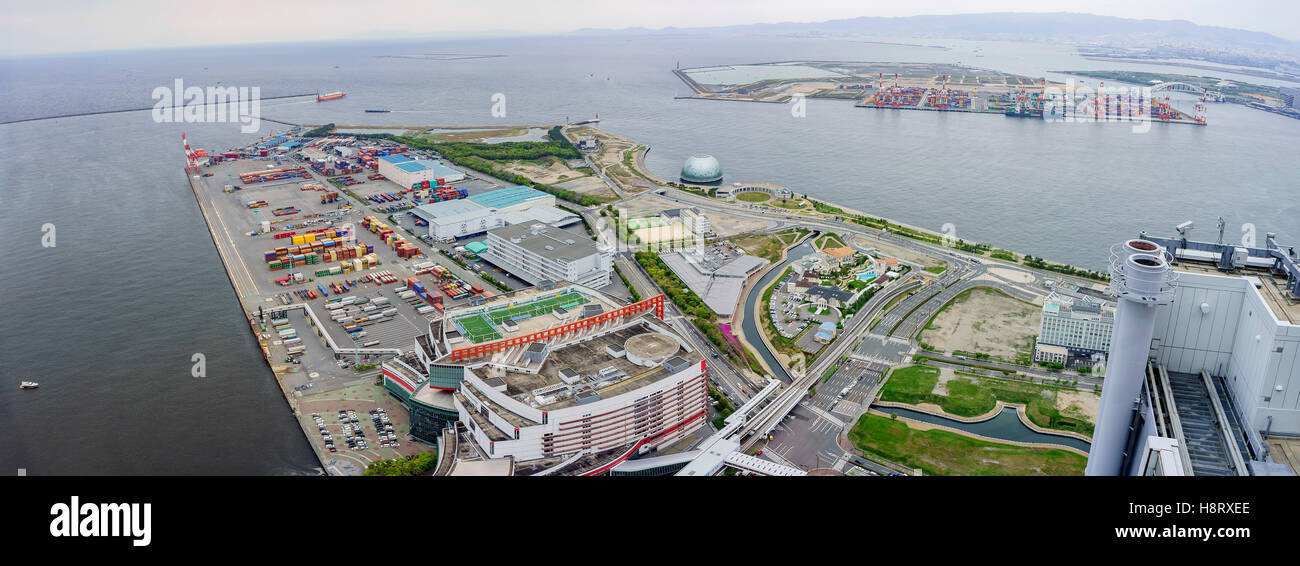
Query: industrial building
{"points": [[581, 384], [1082, 327], [493, 209], [536, 252], [718, 282], [1203, 368], [406, 171]]}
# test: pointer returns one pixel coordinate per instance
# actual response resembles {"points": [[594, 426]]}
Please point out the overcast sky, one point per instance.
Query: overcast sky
{"points": [[68, 25]]}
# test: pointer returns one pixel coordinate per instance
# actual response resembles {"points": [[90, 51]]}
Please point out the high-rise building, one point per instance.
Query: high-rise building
{"points": [[1081, 327]]}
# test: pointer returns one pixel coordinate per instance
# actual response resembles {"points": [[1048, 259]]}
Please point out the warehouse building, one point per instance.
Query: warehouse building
{"points": [[406, 171], [537, 252], [494, 209]]}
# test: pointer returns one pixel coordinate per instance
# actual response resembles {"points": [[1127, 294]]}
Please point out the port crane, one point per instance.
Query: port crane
{"points": [[192, 156]]}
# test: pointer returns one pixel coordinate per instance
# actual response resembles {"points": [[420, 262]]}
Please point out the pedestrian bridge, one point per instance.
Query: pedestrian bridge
{"points": [[722, 449]]}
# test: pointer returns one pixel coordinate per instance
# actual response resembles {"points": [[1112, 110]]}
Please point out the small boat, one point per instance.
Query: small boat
{"points": [[28, 385]]}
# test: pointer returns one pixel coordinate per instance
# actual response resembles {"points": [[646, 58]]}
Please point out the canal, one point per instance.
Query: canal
{"points": [[749, 328], [1005, 426]]}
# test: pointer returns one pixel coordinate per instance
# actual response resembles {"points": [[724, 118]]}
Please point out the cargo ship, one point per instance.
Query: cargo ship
{"points": [[1024, 113], [379, 111], [329, 96]]}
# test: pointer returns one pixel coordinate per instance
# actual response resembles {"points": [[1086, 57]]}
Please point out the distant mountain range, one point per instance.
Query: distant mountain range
{"points": [[1061, 26]]}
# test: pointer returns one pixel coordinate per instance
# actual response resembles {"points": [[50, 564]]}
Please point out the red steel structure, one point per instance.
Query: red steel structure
{"points": [[478, 350]]}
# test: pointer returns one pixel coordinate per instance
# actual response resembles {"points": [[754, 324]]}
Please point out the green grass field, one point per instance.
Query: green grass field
{"points": [[943, 453], [753, 196], [537, 307], [973, 396], [477, 329], [482, 326]]}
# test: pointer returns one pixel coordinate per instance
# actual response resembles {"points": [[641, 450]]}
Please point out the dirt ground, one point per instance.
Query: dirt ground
{"points": [[722, 224], [589, 185], [475, 136], [610, 157], [1083, 404], [894, 251], [946, 374], [984, 321], [1013, 275], [549, 174]]}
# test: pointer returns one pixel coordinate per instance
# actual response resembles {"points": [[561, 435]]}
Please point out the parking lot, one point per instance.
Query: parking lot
{"points": [[359, 398], [785, 310]]}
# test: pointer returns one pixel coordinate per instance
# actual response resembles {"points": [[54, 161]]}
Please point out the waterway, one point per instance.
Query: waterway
{"points": [[1005, 426], [749, 326]]}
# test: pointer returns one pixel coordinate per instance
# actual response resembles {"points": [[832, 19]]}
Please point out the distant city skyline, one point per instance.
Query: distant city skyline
{"points": [[75, 26]]}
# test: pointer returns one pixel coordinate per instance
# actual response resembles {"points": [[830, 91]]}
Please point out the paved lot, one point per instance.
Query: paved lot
{"points": [[360, 397], [807, 437]]}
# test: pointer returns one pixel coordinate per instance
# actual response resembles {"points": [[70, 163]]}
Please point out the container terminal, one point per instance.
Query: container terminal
{"points": [[940, 88]]}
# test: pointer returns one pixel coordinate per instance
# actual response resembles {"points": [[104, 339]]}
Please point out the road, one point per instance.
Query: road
{"points": [[730, 380], [806, 432]]}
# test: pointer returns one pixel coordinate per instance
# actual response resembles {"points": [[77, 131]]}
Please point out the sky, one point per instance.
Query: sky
{"points": [[55, 26]]}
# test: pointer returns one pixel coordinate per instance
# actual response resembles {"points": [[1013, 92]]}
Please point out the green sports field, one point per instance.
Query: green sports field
{"points": [[537, 307], [482, 326], [477, 328]]}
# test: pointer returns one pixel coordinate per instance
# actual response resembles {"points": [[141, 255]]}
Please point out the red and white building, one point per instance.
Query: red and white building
{"points": [[577, 389]]}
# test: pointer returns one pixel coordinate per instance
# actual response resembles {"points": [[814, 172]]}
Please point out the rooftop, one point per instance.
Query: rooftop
{"points": [[718, 282], [840, 253], [440, 398], [545, 214], [448, 209], [439, 170], [397, 158], [701, 169], [509, 196], [830, 293], [530, 309], [550, 243], [597, 371], [491, 467], [1273, 288]]}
